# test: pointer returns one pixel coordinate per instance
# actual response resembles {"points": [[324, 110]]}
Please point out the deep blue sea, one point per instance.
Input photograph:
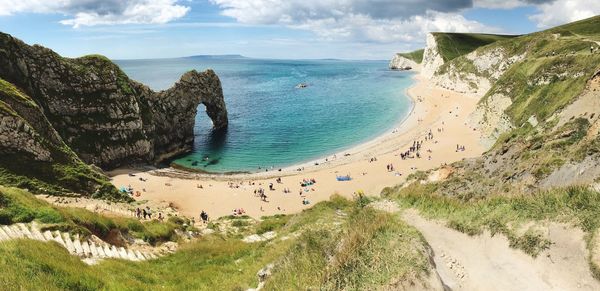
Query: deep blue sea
{"points": [[274, 124]]}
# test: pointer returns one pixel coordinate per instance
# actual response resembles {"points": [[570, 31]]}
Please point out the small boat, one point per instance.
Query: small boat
{"points": [[301, 85]]}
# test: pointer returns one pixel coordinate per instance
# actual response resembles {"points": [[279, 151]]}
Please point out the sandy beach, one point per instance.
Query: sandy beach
{"points": [[442, 112]]}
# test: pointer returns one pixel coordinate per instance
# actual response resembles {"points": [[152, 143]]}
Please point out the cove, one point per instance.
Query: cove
{"points": [[272, 122]]}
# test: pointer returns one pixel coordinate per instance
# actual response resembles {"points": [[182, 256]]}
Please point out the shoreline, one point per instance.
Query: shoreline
{"points": [[310, 162], [192, 173], [432, 109]]}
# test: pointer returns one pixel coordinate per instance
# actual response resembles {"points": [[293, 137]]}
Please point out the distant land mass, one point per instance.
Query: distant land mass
{"points": [[217, 57]]}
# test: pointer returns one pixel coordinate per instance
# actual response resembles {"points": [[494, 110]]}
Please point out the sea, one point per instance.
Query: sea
{"points": [[273, 123]]}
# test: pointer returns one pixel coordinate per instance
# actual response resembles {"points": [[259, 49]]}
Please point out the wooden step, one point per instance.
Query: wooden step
{"points": [[16, 230], [48, 236], [123, 253], [108, 251], [58, 238], [139, 255], [94, 249], [3, 235], [8, 231], [77, 245], [131, 255], [24, 230], [37, 234], [115, 252], [69, 243], [86, 248]]}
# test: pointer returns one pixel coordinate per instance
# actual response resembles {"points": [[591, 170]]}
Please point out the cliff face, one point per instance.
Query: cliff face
{"points": [[539, 111], [401, 63], [33, 156], [103, 116], [432, 59]]}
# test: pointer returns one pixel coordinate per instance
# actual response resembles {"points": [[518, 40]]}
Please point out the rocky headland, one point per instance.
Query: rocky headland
{"points": [[401, 63], [73, 112]]}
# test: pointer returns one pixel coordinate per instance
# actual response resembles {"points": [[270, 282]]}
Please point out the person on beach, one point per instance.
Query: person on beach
{"points": [[138, 213], [204, 217]]}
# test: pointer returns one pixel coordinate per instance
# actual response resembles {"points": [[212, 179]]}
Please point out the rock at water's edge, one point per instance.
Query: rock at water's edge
{"points": [[401, 63]]}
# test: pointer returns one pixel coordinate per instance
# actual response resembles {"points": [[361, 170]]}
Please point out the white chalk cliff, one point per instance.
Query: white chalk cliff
{"points": [[432, 60], [401, 63]]}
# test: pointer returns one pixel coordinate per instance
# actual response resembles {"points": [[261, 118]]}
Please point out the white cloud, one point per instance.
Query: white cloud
{"points": [[100, 12], [412, 29], [564, 11], [293, 11], [359, 20]]}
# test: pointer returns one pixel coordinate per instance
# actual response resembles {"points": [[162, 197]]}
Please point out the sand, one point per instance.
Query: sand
{"points": [[486, 262], [434, 108]]}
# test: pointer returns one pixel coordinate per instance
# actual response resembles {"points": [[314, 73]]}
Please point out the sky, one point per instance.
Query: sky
{"points": [[282, 29]]}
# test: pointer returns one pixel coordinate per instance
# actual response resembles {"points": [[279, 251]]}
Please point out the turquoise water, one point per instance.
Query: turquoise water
{"points": [[274, 124]]}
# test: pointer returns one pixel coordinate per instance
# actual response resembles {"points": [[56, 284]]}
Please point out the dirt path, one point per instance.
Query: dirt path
{"points": [[488, 263]]}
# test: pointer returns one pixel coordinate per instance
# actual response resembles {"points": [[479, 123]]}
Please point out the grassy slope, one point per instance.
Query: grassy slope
{"points": [[484, 193], [453, 45], [370, 250], [416, 56], [507, 215], [555, 71], [377, 251]]}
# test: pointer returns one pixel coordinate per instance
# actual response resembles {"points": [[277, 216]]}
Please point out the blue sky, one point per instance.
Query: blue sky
{"points": [[347, 29]]}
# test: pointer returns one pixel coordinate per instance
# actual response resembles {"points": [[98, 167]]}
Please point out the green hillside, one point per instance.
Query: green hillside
{"points": [[382, 250], [557, 66], [453, 45], [416, 56], [506, 186]]}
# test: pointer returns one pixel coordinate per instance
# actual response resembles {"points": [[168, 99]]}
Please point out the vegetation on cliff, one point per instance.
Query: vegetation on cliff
{"points": [[34, 157], [416, 56], [453, 45], [545, 167]]}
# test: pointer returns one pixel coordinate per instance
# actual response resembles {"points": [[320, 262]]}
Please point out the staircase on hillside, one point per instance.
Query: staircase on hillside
{"points": [[88, 250]]}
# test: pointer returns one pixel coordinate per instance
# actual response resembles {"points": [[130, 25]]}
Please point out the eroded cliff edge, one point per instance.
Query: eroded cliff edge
{"points": [[106, 118], [58, 115]]}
